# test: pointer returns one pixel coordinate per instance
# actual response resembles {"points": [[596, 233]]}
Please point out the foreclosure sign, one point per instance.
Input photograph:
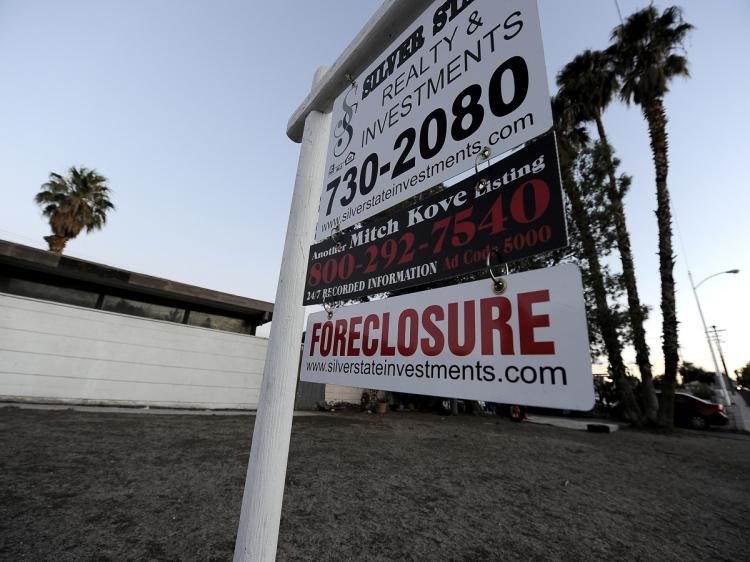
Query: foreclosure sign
{"points": [[513, 209], [527, 346], [467, 74]]}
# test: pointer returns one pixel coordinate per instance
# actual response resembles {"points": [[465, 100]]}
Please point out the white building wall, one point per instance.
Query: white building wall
{"points": [[350, 394], [59, 353]]}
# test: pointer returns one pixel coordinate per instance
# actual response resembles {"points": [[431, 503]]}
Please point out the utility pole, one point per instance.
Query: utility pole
{"points": [[722, 386], [717, 341]]}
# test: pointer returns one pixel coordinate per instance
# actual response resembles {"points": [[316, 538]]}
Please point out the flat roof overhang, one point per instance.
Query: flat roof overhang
{"points": [[58, 265]]}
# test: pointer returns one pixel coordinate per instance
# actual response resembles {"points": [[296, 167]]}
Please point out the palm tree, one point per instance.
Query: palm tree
{"points": [[591, 81], [571, 137], [646, 52], [72, 203]]}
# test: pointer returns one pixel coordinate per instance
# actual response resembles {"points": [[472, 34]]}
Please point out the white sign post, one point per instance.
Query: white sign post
{"points": [[258, 530], [528, 345], [465, 76]]}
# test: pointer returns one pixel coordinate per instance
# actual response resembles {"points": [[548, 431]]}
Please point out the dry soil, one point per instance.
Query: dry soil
{"points": [[104, 486]]}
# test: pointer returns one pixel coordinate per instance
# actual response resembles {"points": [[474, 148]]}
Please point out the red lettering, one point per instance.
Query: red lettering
{"points": [[405, 348], [385, 349], [339, 338], [325, 342], [354, 335], [370, 347], [527, 322], [469, 329], [432, 349], [489, 325], [314, 338]]}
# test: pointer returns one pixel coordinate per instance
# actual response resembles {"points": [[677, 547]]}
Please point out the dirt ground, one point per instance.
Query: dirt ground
{"points": [[103, 486]]}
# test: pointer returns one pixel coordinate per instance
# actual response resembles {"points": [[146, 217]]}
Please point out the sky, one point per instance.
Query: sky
{"points": [[183, 106]]}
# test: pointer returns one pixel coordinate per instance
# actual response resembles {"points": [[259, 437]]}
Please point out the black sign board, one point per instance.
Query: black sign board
{"points": [[513, 207]]}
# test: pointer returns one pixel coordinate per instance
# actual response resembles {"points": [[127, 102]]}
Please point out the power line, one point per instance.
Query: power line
{"points": [[619, 13]]}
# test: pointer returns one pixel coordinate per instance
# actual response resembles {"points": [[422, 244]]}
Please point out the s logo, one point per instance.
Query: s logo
{"points": [[343, 131]]}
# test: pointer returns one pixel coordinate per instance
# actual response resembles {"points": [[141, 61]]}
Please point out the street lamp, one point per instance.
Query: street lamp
{"points": [[717, 373]]}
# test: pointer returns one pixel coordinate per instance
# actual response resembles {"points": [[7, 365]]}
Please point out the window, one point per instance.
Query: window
{"points": [[218, 322], [44, 291], [144, 309], [92, 296]]}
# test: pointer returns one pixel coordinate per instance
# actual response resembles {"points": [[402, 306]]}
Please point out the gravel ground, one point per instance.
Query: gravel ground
{"points": [[101, 486]]}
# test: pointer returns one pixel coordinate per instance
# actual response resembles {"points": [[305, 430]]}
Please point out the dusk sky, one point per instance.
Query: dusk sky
{"points": [[183, 105]]}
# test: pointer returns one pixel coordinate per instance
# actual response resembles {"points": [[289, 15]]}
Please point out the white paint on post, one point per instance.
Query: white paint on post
{"points": [[258, 531]]}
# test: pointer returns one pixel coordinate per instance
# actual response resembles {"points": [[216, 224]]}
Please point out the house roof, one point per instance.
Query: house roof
{"points": [[62, 266]]}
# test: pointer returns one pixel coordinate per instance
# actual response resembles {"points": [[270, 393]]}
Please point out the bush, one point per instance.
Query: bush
{"points": [[702, 390], [691, 373], [743, 375]]}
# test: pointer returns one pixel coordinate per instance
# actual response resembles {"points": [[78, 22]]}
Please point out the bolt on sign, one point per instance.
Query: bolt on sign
{"points": [[512, 210], [528, 345], [465, 75]]}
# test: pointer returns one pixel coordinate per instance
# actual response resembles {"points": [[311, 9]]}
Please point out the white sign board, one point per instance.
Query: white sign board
{"points": [[527, 346], [467, 74]]}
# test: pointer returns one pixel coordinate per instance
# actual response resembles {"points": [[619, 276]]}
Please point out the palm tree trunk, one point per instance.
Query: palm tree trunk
{"points": [[604, 319], [56, 243], [635, 311], [657, 121]]}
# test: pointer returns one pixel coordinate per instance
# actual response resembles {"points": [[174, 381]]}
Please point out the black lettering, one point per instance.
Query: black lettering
{"points": [[511, 24], [394, 60], [441, 17]]}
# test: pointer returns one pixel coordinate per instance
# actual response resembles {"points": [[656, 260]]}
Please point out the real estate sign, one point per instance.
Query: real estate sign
{"points": [[528, 345], [467, 74], [513, 209]]}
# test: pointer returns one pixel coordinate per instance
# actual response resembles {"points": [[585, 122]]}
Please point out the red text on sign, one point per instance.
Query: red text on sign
{"points": [[493, 324]]}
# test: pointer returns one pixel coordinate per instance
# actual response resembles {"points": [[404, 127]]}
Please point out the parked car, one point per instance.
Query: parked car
{"points": [[694, 412]]}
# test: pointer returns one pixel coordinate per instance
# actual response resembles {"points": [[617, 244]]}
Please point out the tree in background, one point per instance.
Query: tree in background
{"points": [[692, 373], [590, 79], [646, 57], [743, 375], [571, 140], [591, 171], [73, 203]]}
